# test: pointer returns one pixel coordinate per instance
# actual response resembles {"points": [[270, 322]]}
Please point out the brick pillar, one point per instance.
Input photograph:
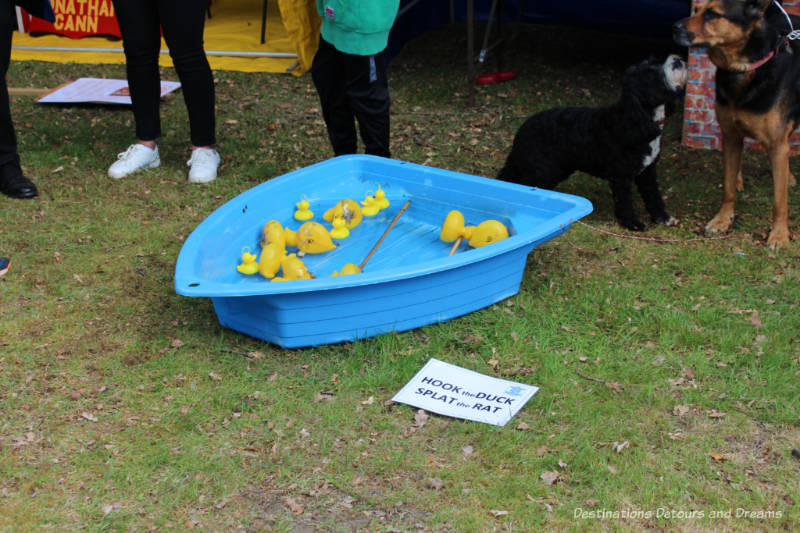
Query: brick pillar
{"points": [[700, 128]]}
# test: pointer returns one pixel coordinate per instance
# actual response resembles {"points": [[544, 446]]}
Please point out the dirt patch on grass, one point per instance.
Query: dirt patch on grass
{"points": [[325, 508]]}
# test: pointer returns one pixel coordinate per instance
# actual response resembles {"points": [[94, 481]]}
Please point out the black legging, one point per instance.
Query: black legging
{"points": [[8, 141], [351, 89], [182, 22]]}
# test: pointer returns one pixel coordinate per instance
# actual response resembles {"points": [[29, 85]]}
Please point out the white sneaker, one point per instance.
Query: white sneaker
{"points": [[203, 165], [136, 157]]}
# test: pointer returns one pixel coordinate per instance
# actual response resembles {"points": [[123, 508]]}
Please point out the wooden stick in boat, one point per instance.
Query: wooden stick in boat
{"points": [[364, 262], [453, 249]]}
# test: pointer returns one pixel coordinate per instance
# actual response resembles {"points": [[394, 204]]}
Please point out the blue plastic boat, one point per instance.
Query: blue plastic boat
{"points": [[408, 282]]}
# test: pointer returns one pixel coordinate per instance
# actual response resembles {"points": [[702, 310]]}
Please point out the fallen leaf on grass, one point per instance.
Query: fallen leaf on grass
{"points": [[541, 450], [214, 376], [613, 385], [420, 418], [473, 339], [680, 410], [109, 508], [434, 483], [716, 414], [522, 426], [467, 451], [619, 446], [294, 506], [177, 343], [496, 513], [89, 416], [756, 320], [255, 355], [324, 395], [550, 477], [720, 457], [368, 401], [18, 442]]}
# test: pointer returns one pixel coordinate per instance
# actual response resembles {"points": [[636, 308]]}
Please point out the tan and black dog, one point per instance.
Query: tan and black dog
{"points": [[757, 92]]}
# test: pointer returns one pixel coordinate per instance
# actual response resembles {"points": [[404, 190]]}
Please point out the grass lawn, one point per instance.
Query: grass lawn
{"points": [[668, 370]]}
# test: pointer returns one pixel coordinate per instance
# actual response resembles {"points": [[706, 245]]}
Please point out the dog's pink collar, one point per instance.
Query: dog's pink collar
{"points": [[761, 61]]}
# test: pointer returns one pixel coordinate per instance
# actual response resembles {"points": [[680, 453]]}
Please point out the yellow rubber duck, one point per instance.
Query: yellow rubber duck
{"points": [[371, 206], [290, 237], [293, 268], [351, 212], [487, 232], [249, 263], [339, 230], [270, 260], [453, 227], [274, 234], [303, 212], [349, 268], [312, 238], [380, 199]]}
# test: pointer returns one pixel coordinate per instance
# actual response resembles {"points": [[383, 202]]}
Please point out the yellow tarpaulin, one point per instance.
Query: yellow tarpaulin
{"points": [[232, 39]]}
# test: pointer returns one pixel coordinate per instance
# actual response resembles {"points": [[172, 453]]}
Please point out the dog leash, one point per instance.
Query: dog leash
{"points": [[793, 33], [654, 239]]}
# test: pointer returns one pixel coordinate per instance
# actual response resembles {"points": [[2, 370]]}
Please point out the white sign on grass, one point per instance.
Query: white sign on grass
{"points": [[97, 91], [450, 390]]}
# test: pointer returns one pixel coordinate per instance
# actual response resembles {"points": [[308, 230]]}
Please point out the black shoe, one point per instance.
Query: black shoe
{"points": [[5, 264], [14, 184]]}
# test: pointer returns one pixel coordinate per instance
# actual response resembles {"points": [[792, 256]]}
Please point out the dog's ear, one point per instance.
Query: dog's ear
{"points": [[754, 9]]}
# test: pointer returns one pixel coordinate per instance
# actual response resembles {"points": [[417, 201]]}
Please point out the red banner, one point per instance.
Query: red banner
{"points": [[79, 18]]}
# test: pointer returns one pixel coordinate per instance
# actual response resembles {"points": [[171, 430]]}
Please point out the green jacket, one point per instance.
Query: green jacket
{"points": [[359, 27]]}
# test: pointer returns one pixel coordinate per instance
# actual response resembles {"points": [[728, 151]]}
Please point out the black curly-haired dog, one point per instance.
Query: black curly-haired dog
{"points": [[619, 143]]}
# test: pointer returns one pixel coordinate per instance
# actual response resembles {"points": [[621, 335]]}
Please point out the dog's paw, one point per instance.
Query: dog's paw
{"points": [[719, 224], [777, 238], [666, 220], [633, 224]]}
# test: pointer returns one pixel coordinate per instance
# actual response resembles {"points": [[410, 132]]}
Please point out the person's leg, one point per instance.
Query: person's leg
{"points": [[328, 76], [141, 40], [368, 96], [12, 182], [8, 140], [183, 22]]}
